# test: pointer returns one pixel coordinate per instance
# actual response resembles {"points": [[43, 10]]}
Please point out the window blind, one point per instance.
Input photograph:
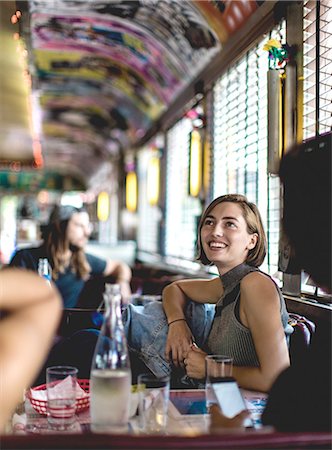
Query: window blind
{"points": [[182, 211], [240, 144], [148, 216], [317, 84], [317, 67]]}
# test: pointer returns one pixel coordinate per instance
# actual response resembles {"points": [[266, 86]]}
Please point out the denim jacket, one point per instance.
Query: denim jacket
{"points": [[146, 330]]}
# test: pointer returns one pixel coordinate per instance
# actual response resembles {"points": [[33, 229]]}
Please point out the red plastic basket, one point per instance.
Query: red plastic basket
{"points": [[41, 405]]}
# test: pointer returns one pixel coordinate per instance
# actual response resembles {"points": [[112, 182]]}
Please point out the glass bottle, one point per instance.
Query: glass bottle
{"points": [[110, 384], [44, 269]]}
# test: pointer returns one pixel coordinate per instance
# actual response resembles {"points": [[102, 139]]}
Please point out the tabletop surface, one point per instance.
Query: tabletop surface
{"points": [[186, 416]]}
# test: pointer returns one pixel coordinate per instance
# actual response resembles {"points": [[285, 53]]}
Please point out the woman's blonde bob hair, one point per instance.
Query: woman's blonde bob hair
{"points": [[254, 225]]}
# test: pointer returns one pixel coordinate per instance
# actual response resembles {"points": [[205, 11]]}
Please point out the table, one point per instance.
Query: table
{"points": [[179, 424], [182, 435]]}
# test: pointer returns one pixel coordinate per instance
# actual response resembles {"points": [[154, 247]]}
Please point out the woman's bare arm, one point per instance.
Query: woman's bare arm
{"points": [[260, 312], [198, 290], [175, 297], [30, 313]]}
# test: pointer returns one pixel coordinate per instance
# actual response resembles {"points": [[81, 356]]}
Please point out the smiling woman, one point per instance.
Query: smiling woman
{"points": [[231, 217], [250, 321]]}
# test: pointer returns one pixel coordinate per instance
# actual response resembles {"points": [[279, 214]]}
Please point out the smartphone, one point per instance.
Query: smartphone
{"points": [[229, 397]]}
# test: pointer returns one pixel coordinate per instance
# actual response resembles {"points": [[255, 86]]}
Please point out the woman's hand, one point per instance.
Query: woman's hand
{"points": [[220, 423], [179, 340], [195, 362]]}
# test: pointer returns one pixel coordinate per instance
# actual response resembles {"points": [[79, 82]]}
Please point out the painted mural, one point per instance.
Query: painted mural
{"points": [[105, 71]]}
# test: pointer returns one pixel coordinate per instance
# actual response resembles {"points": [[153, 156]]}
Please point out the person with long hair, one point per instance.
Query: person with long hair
{"points": [[64, 243], [250, 322]]}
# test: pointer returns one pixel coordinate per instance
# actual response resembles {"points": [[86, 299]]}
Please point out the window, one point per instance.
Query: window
{"points": [[148, 216], [240, 141], [182, 211], [317, 70], [317, 84]]}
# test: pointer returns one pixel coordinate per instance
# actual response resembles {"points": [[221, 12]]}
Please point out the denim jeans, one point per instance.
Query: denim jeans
{"points": [[146, 330]]}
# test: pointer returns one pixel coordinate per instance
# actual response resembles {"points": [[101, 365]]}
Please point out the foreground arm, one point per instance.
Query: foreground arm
{"points": [[122, 274], [179, 338], [30, 313]]}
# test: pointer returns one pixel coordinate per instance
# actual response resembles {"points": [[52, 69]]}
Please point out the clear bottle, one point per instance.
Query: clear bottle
{"points": [[110, 383], [44, 269]]}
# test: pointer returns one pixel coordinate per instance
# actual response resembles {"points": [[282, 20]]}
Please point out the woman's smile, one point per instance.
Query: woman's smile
{"points": [[215, 245]]}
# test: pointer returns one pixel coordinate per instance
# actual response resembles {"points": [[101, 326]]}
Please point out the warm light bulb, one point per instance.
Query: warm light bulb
{"points": [[153, 180], [131, 191], [195, 169], [103, 206]]}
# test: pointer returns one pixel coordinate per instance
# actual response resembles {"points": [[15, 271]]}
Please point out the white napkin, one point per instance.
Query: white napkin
{"points": [[58, 390]]}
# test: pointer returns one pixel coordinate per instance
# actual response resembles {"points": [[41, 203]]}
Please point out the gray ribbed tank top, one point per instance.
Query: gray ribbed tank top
{"points": [[228, 336]]}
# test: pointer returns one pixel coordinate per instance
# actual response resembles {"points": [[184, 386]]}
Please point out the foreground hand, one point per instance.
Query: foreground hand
{"points": [[179, 340], [220, 423], [195, 362]]}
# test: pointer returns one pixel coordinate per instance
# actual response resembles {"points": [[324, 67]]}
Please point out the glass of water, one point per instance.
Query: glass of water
{"points": [[153, 403], [61, 396]]}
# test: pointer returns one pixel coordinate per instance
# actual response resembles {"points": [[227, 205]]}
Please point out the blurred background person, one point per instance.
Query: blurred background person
{"points": [[65, 239], [29, 314]]}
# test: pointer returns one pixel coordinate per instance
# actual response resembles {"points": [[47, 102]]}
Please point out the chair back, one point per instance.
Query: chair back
{"points": [[300, 339]]}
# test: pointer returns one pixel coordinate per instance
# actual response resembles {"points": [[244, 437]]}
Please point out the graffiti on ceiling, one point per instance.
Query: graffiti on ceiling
{"points": [[105, 71]]}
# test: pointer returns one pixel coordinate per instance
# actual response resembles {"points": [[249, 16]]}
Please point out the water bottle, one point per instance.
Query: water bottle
{"points": [[44, 269], [110, 384]]}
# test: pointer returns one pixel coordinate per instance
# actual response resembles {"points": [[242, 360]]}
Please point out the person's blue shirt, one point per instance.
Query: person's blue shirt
{"points": [[68, 283]]}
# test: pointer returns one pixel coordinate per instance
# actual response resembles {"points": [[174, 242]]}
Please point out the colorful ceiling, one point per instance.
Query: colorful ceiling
{"points": [[105, 71]]}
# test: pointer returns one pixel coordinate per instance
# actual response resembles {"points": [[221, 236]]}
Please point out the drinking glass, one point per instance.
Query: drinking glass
{"points": [[153, 403], [61, 396], [217, 367]]}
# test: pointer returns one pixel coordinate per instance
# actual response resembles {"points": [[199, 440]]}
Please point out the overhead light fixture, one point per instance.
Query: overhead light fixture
{"points": [[131, 191], [153, 180], [195, 163], [103, 206]]}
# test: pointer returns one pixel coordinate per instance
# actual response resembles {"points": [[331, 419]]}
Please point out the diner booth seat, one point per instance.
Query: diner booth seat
{"points": [[146, 280], [230, 441], [300, 339]]}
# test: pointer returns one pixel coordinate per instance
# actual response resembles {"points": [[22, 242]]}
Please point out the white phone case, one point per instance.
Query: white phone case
{"points": [[230, 399]]}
